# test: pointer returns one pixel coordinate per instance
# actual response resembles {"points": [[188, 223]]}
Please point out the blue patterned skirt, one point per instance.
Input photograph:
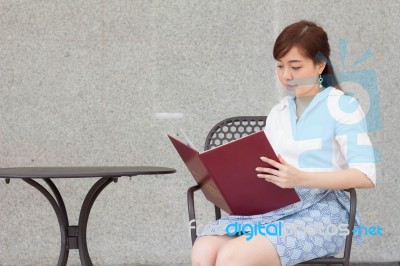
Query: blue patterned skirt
{"points": [[313, 228]]}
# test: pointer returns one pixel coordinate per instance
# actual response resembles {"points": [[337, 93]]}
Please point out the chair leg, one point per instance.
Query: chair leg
{"points": [[217, 213]]}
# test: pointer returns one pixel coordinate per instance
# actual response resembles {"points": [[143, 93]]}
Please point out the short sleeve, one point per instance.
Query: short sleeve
{"points": [[352, 136]]}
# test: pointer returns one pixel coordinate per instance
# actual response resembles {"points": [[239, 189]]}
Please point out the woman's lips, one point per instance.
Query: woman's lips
{"points": [[290, 87]]}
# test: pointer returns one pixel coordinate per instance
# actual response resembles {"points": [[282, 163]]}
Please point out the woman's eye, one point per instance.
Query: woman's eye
{"points": [[296, 68], [279, 66]]}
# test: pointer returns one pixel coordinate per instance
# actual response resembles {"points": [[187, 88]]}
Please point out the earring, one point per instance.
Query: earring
{"points": [[320, 81]]}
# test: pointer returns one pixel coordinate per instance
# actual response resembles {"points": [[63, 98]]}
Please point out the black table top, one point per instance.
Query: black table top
{"points": [[79, 172]]}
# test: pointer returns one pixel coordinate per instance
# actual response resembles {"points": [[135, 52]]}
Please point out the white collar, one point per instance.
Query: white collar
{"points": [[329, 91]]}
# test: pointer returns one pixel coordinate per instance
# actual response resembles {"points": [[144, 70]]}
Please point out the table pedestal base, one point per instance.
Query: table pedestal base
{"points": [[72, 237]]}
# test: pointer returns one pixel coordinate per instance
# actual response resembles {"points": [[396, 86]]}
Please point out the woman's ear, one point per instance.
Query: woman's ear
{"points": [[321, 66]]}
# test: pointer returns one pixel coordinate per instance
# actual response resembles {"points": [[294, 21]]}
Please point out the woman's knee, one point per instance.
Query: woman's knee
{"points": [[259, 251], [228, 255], [205, 249], [202, 252]]}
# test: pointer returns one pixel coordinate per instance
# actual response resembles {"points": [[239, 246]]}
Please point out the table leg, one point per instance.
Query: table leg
{"points": [[84, 216], [72, 237], [59, 199], [59, 209]]}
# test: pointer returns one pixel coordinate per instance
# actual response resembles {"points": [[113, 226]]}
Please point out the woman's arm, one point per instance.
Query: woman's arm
{"points": [[341, 179], [289, 176]]}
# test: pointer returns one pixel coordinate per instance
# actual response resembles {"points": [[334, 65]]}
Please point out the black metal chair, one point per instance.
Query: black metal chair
{"points": [[236, 127]]}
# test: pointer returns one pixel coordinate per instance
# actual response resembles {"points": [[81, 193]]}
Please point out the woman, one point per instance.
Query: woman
{"points": [[317, 140]]}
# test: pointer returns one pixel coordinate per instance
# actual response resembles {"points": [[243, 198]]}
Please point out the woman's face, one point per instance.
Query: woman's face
{"points": [[298, 74]]}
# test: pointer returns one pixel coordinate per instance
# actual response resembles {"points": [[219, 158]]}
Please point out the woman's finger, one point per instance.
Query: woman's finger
{"points": [[272, 179], [271, 162], [267, 177], [267, 170]]}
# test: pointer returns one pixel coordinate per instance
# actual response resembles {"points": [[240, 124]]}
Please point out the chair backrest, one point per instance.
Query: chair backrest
{"points": [[233, 128]]}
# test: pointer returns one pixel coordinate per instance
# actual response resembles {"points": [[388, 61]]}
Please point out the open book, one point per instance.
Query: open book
{"points": [[227, 176]]}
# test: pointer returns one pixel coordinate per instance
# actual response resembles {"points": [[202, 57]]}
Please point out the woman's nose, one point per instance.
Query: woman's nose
{"points": [[286, 73]]}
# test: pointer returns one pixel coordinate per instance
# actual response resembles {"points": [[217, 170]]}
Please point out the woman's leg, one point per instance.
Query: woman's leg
{"points": [[205, 249], [258, 251]]}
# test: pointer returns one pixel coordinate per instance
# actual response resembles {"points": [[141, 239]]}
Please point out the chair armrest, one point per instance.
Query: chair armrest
{"points": [[352, 218], [192, 214], [353, 206], [191, 211]]}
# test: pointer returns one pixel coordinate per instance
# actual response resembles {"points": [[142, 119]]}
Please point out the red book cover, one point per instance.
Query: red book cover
{"points": [[227, 175]]}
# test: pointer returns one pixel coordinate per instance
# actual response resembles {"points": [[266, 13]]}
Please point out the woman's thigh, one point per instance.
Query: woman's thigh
{"points": [[239, 251]]}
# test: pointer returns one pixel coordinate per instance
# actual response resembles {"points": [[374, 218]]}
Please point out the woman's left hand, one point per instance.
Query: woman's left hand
{"points": [[287, 176]]}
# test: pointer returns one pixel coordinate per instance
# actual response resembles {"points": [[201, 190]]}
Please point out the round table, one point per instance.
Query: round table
{"points": [[74, 236]]}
